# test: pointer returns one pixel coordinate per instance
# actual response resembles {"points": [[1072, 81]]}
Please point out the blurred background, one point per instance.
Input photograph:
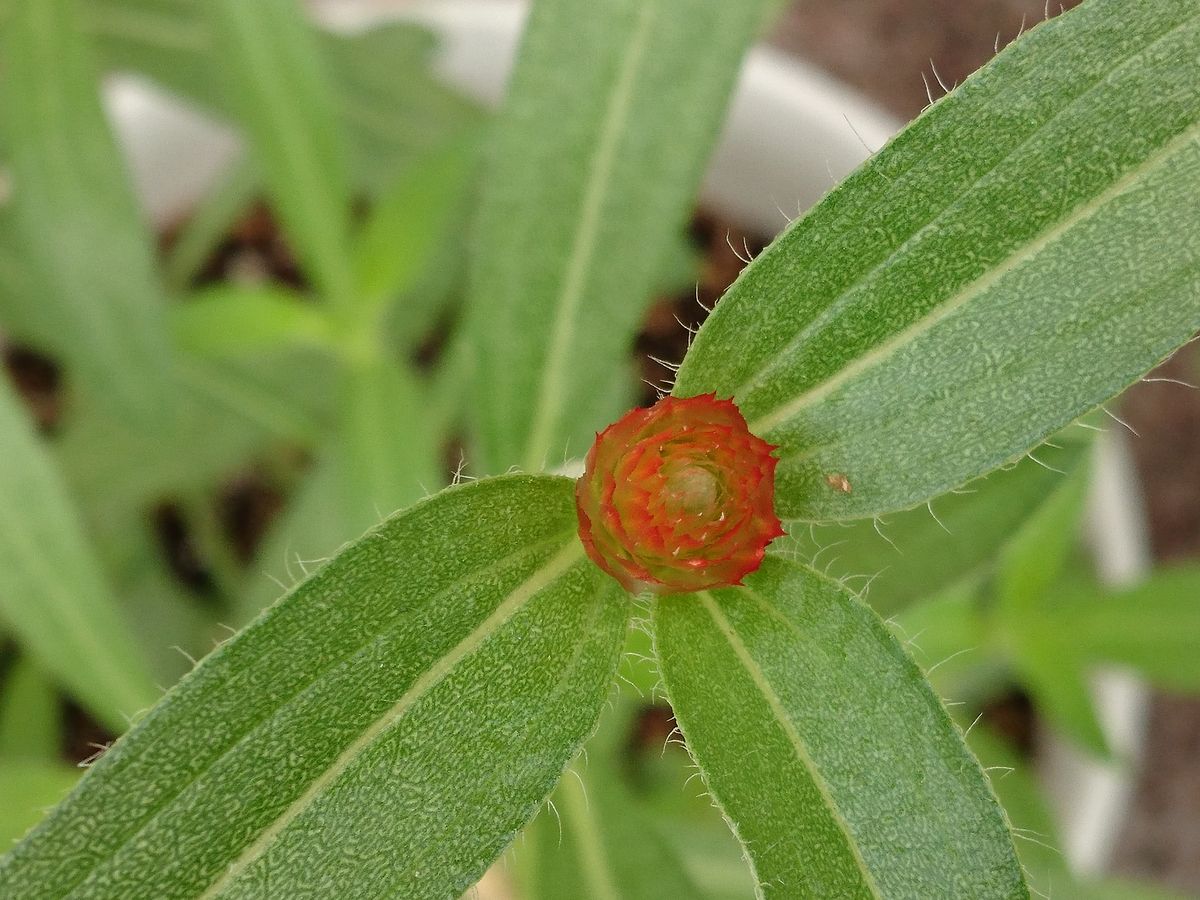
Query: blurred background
{"points": [[197, 530]]}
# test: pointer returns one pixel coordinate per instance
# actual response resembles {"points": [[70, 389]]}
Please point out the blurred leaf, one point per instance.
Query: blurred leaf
{"points": [[915, 554], [391, 109], [79, 227], [359, 726], [29, 715], [53, 595], [168, 40], [1042, 259], [1153, 627], [226, 411], [620, 825], [381, 457], [1036, 555], [1037, 837], [952, 637], [172, 621], [838, 768], [1047, 658], [305, 536], [590, 178], [679, 269], [598, 841], [449, 389], [384, 454], [29, 788], [231, 319], [410, 219], [281, 91]]}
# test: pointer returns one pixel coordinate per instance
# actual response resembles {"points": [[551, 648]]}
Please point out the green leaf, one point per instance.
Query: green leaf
{"points": [[382, 456], [393, 109], [837, 766], [390, 107], [53, 595], [1018, 255], [1038, 553], [29, 714], [77, 223], [1037, 836], [384, 730], [225, 411], [166, 40], [590, 178], [29, 788], [951, 635], [411, 219], [278, 85], [231, 319], [596, 838], [384, 453], [1047, 660], [1037, 839], [915, 554], [389, 104], [599, 843], [1153, 627]]}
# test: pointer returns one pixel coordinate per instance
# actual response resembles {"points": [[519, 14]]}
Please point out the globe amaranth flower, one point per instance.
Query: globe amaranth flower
{"points": [[678, 497]]}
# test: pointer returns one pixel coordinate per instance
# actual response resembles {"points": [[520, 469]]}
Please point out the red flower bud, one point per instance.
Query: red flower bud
{"points": [[678, 497]]}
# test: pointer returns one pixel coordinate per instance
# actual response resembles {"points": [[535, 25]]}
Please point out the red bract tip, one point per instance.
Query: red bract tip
{"points": [[678, 497]]}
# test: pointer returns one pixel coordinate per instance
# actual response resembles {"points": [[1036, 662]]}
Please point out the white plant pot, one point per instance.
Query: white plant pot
{"points": [[792, 133]]}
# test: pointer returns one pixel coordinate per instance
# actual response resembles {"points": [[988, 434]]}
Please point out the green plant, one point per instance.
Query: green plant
{"points": [[1016, 257]]}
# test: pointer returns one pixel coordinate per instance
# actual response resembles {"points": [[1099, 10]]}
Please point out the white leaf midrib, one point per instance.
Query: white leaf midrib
{"points": [[550, 571], [830, 312], [584, 244], [799, 746], [764, 424]]}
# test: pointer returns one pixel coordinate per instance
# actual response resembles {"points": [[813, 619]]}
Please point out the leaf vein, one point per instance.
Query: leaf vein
{"points": [[980, 286], [759, 677], [838, 303], [570, 555], [583, 247]]}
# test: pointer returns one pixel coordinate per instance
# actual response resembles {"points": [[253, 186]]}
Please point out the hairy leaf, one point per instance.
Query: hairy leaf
{"points": [[915, 554], [384, 730], [836, 764], [590, 177], [1018, 255]]}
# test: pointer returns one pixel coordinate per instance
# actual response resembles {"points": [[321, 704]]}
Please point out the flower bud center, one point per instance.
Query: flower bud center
{"points": [[693, 489]]}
